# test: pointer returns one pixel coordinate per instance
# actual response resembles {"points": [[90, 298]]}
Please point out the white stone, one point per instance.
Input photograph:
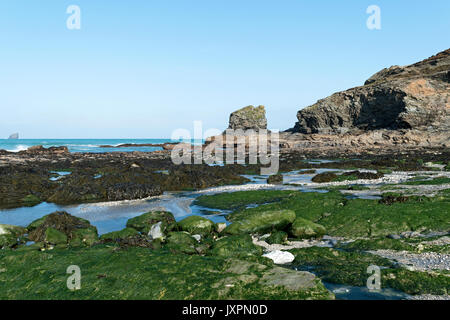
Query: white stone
{"points": [[280, 257], [155, 231], [221, 226], [197, 237]]}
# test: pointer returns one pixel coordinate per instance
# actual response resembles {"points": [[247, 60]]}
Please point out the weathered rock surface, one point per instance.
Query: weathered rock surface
{"points": [[261, 222], [249, 117], [411, 97]]}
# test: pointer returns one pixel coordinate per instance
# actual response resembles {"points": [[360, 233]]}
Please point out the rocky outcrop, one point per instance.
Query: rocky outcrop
{"points": [[40, 149], [411, 97], [61, 228], [14, 136], [249, 117]]}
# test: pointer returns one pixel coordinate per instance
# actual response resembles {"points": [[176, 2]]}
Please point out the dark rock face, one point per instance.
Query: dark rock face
{"points": [[249, 117], [411, 97]]}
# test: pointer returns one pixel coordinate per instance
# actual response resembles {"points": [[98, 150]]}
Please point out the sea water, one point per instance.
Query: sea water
{"points": [[85, 145]]}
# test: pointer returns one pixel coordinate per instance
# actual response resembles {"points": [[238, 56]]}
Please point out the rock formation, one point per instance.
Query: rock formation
{"points": [[14, 136], [249, 117], [411, 97]]}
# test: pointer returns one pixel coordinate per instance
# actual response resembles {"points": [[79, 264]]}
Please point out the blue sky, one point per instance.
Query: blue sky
{"points": [[140, 69]]}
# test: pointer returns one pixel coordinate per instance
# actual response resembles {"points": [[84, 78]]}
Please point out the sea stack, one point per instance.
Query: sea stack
{"points": [[249, 117], [14, 136]]}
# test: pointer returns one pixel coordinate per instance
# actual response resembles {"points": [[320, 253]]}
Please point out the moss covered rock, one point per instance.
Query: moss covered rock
{"points": [[122, 234], [31, 200], [77, 230], [259, 222], [144, 222], [181, 242], [279, 237], [196, 225], [54, 236], [87, 236], [305, 229], [9, 235], [235, 246]]}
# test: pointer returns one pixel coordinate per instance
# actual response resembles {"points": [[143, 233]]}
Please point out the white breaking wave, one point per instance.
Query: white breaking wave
{"points": [[18, 148]]}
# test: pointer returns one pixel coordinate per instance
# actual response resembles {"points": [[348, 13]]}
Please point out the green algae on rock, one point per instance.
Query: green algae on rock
{"points": [[196, 225], [144, 222], [240, 199], [54, 236], [278, 237], [52, 227], [305, 229], [260, 222], [350, 268], [235, 246], [359, 217], [181, 242], [9, 235], [139, 273], [118, 235]]}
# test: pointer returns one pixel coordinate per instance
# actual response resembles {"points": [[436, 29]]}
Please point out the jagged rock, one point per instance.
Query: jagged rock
{"points": [[410, 97], [249, 117]]}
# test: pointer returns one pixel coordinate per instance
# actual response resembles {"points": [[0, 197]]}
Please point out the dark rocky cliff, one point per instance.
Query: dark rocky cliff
{"points": [[411, 97]]}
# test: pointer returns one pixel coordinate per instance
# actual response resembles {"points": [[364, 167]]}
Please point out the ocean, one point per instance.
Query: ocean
{"points": [[82, 145]]}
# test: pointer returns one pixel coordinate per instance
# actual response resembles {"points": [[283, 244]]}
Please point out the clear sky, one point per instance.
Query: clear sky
{"points": [[140, 69]]}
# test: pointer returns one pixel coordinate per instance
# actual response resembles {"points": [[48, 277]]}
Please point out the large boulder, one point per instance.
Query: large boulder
{"points": [[259, 222], [9, 235], [196, 225], [145, 222], [249, 117], [305, 229], [411, 97], [181, 242], [60, 228]]}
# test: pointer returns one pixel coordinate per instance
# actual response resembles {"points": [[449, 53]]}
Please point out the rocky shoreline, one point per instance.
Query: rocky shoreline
{"points": [[363, 181]]}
